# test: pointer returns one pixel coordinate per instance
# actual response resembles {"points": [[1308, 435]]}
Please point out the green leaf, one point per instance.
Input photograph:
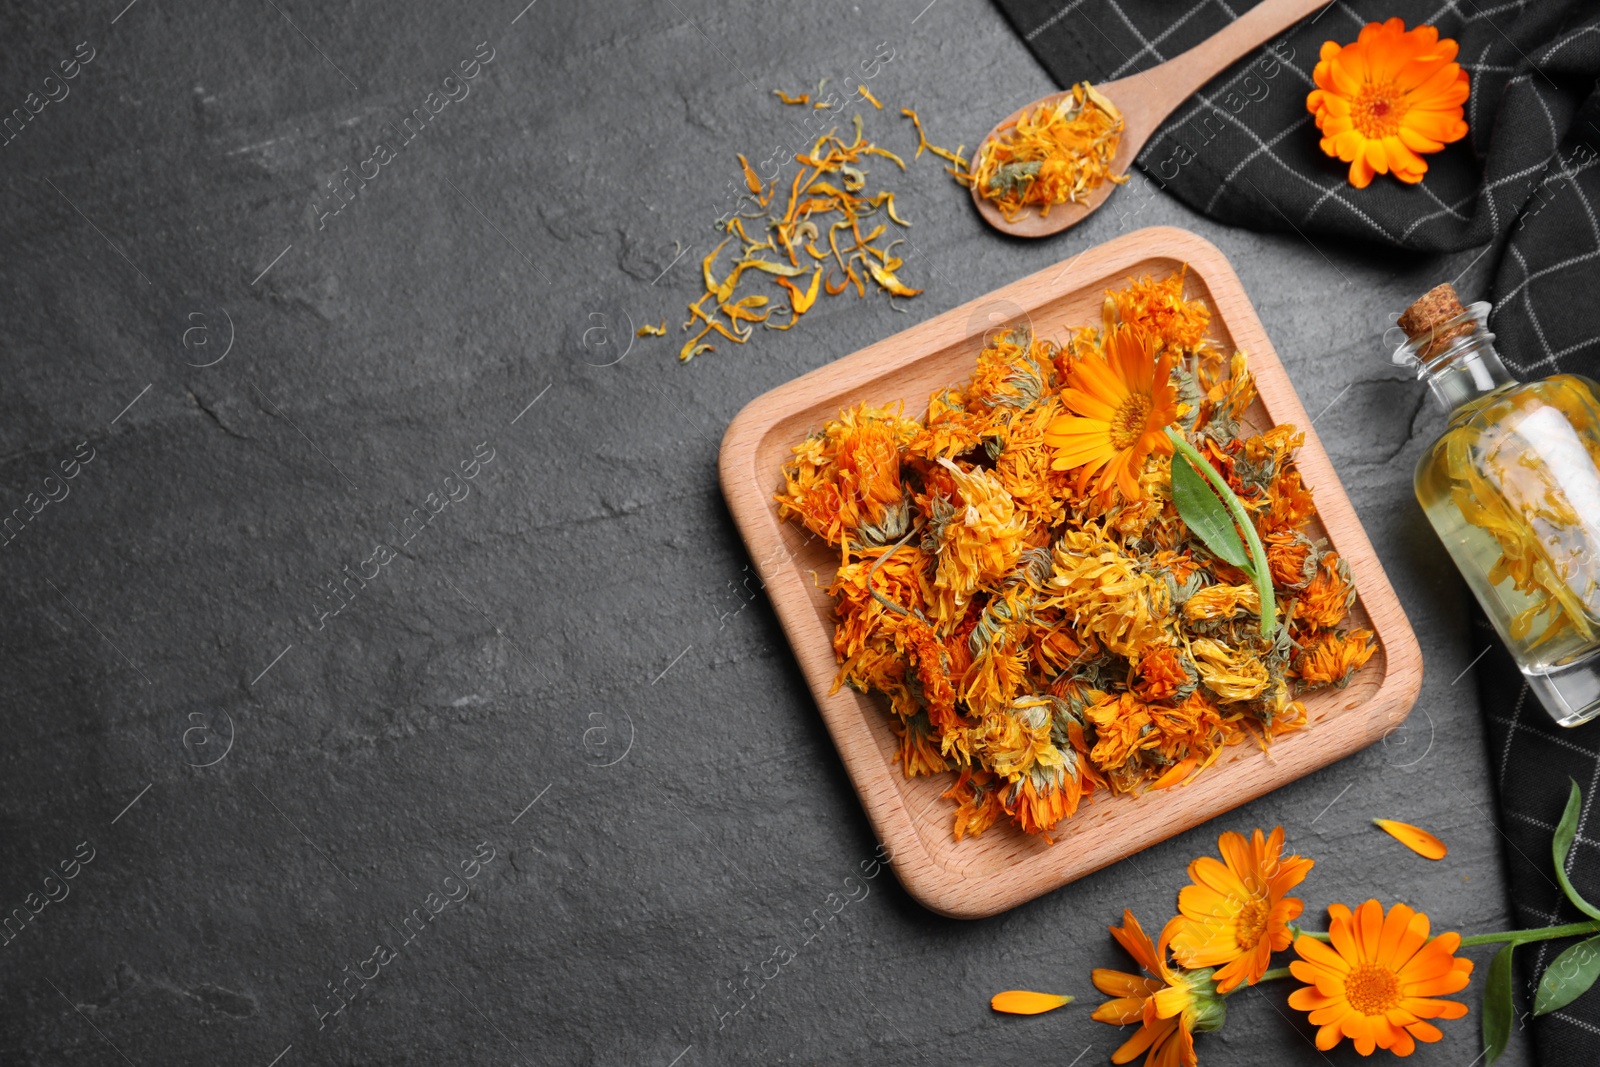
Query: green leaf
{"points": [[1566, 830], [1497, 1007], [1206, 515], [1568, 977]]}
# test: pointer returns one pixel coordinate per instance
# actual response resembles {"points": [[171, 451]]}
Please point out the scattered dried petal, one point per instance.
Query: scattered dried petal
{"points": [[924, 143], [1022, 1002], [751, 180], [829, 192], [1415, 838]]}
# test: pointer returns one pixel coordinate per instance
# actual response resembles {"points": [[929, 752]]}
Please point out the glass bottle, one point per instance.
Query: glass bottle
{"points": [[1512, 487]]}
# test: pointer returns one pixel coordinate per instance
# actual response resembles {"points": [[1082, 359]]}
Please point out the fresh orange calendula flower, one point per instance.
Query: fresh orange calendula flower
{"points": [[1389, 98], [1119, 408], [1235, 915], [1170, 1005], [1379, 979]]}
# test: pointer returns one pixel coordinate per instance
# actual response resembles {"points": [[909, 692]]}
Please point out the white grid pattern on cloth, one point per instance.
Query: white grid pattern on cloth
{"points": [[1588, 803], [1485, 194], [1150, 48], [1579, 1023], [1472, 100], [1541, 824], [1551, 357], [1568, 40], [1053, 19], [1542, 271], [1265, 146], [1552, 738], [1511, 731], [1533, 318]]}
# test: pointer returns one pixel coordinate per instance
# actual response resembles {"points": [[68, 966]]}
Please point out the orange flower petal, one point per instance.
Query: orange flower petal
{"points": [[1415, 838], [1123, 1011], [1425, 1032], [1121, 984], [1387, 97], [1147, 1035], [1023, 1002]]}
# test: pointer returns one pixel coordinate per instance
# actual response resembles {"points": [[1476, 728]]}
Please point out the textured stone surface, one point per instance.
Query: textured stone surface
{"points": [[564, 667]]}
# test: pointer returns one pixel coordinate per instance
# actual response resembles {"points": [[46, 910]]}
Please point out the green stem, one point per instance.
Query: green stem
{"points": [[1543, 933], [1263, 573], [1276, 972]]}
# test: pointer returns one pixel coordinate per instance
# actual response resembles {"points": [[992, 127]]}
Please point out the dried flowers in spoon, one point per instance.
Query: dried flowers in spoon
{"points": [[1055, 154]]}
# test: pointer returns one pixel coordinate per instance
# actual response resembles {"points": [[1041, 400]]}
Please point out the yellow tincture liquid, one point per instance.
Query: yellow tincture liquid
{"points": [[1513, 489]]}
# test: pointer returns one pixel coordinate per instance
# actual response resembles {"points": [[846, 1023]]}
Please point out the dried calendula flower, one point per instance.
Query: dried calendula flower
{"points": [[648, 330], [1055, 154], [1332, 658], [1018, 580]]}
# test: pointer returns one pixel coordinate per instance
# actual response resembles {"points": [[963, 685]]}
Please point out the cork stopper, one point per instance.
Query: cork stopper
{"points": [[1436, 320]]}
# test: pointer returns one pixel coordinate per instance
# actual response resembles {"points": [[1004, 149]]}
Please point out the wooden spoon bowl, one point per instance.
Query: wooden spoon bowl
{"points": [[1145, 100]]}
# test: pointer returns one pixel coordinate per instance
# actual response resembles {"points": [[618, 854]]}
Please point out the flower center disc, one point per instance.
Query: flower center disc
{"points": [[1128, 424], [1252, 923], [1377, 109], [1371, 989]]}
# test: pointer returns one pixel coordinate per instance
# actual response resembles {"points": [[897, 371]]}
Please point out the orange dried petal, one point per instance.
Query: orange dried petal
{"points": [[1023, 1002], [751, 181], [1415, 838]]}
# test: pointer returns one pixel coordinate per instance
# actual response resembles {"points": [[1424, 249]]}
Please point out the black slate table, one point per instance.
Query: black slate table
{"points": [[549, 749]]}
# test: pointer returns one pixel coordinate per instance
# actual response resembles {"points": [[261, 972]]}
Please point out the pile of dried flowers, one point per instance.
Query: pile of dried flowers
{"points": [[1055, 154], [1016, 576], [1376, 977]]}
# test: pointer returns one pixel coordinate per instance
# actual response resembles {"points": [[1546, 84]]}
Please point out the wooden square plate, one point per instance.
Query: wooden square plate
{"points": [[1004, 867]]}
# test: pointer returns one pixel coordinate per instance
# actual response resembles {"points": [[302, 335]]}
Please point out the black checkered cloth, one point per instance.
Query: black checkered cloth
{"points": [[1524, 186]]}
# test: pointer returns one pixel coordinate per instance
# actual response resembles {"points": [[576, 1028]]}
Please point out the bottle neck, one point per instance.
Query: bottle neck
{"points": [[1458, 359]]}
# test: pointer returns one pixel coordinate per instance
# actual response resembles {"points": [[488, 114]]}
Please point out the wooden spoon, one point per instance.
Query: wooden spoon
{"points": [[1145, 100]]}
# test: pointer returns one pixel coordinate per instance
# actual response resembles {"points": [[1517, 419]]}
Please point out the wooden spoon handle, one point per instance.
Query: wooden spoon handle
{"points": [[1174, 81]]}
